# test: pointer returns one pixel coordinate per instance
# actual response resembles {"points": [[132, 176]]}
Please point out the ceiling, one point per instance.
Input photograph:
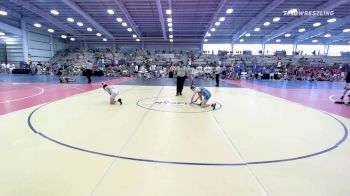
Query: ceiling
{"points": [[191, 20]]}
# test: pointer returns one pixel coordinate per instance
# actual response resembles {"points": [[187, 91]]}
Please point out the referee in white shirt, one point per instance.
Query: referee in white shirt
{"points": [[181, 71], [217, 74], [89, 71]]}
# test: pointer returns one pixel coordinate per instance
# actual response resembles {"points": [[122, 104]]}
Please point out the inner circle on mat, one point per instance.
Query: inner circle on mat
{"points": [[175, 104]]}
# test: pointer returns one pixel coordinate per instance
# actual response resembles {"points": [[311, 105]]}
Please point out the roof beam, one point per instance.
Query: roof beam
{"points": [[340, 37], [128, 17], [87, 17], [256, 19], [216, 13], [48, 17], [161, 18], [10, 29], [323, 29], [329, 5]]}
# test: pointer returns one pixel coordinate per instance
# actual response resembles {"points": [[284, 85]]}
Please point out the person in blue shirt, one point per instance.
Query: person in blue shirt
{"points": [[272, 73], [203, 95]]}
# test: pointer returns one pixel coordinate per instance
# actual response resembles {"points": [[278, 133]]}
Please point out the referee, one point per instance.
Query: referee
{"points": [[181, 74]]}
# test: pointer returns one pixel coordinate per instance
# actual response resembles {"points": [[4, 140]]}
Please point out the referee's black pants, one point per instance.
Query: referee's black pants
{"points": [[217, 77], [180, 85]]}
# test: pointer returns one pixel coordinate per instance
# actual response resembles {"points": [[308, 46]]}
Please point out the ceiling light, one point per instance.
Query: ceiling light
{"points": [[64, 36], [205, 40], [247, 35], [50, 30], [129, 29], [346, 30], [37, 25], [241, 40], [222, 19], [170, 29], [70, 19], [168, 12], [257, 29], [171, 40], [119, 19], [349, 42], [217, 23], [316, 24], [212, 29], [170, 24], [171, 36], [267, 23], [301, 30], [3, 13], [278, 40], [98, 34], [2, 34], [137, 40], [331, 20], [104, 39], [287, 35], [327, 35], [80, 24], [293, 11], [208, 34], [111, 12], [315, 40], [276, 19], [134, 36], [89, 29], [169, 20], [54, 12], [124, 24], [229, 11], [72, 39]]}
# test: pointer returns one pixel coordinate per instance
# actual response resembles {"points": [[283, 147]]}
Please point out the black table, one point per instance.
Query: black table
{"points": [[21, 71]]}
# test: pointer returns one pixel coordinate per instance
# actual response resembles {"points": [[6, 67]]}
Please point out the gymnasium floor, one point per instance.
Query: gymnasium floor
{"points": [[265, 138]]}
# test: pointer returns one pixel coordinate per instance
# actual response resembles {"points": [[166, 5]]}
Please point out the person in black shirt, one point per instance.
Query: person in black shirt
{"points": [[347, 86]]}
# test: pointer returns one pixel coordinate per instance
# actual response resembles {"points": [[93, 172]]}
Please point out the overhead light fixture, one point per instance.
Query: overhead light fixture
{"points": [[64, 36], [124, 24], [267, 23], [170, 29], [205, 40], [257, 29], [3, 13], [287, 35], [171, 36], [169, 20], [111, 12], [171, 40], [229, 11], [346, 30], [278, 40], [54, 12], [327, 35], [301, 30], [276, 19], [134, 36], [89, 29], [2, 33], [222, 19], [315, 41], [119, 19], [72, 39], [98, 34], [170, 24], [208, 34], [168, 12], [70, 19], [50, 30], [37, 25], [331, 20], [217, 23], [349, 42], [104, 39], [292, 11], [129, 29], [80, 24], [212, 29], [247, 35], [317, 24], [241, 40], [137, 40]]}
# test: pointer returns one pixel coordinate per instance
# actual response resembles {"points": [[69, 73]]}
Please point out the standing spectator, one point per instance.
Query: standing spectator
{"points": [[89, 71], [181, 74], [217, 75], [272, 72]]}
